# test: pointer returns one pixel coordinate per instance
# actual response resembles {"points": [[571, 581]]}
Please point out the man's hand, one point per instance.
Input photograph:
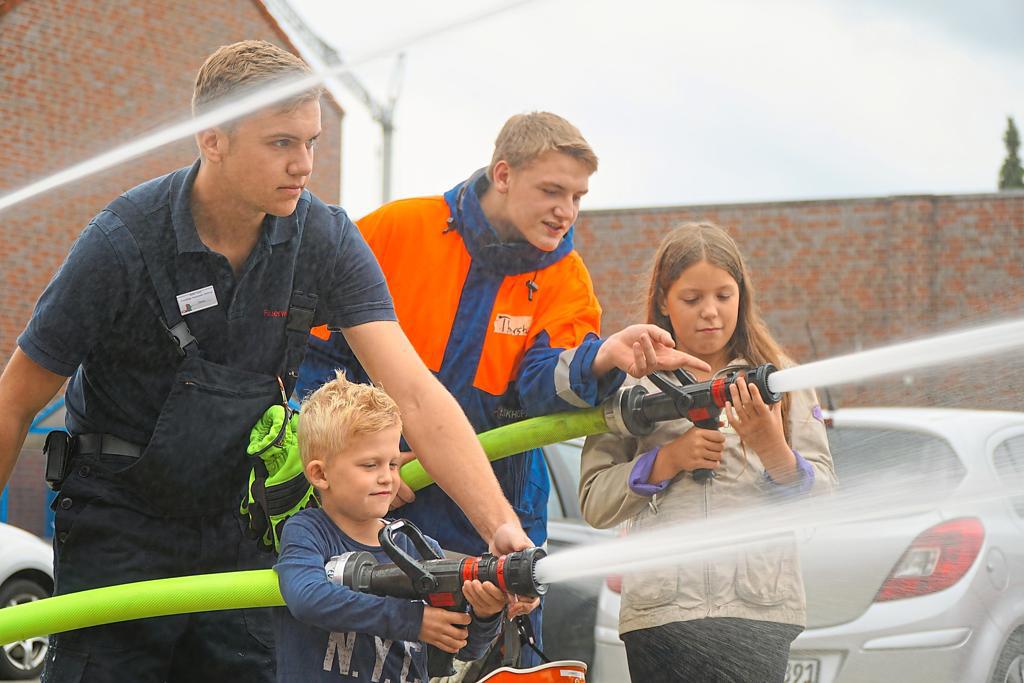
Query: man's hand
{"points": [[443, 629], [508, 538], [405, 493], [642, 349]]}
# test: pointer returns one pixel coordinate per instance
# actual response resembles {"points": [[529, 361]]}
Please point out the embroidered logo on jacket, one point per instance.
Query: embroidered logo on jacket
{"points": [[515, 325]]}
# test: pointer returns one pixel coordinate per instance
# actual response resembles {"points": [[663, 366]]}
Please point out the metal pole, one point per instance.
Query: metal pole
{"points": [[387, 129]]}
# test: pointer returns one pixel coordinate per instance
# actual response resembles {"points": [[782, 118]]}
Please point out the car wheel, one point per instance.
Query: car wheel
{"points": [[22, 659], [1010, 665]]}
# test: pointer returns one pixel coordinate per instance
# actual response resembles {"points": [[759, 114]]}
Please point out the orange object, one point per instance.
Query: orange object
{"points": [[565, 671], [426, 264]]}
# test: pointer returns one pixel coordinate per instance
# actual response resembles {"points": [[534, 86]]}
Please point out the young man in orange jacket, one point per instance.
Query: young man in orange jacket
{"points": [[499, 305]]}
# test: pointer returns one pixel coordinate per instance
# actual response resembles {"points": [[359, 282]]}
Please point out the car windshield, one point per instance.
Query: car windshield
{"points": [[864, 454]]}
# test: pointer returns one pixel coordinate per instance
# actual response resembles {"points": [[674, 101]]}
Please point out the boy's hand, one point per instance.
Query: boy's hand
{"points": [[485, 598], [518, 606], [443, 629]]}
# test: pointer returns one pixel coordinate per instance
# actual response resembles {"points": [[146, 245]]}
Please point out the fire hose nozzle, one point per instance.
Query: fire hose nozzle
{"points": [[420, 579], [634, 411], [434, 579]]}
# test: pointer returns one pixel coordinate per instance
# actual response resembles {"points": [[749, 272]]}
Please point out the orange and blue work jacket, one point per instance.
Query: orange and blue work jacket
{"points": [[510, 330]]}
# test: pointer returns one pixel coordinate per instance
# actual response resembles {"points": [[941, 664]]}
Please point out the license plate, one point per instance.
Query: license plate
{"points": [[802, 670]]}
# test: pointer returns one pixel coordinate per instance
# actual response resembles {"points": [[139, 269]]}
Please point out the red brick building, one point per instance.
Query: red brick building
{"points": [[81, 78]]}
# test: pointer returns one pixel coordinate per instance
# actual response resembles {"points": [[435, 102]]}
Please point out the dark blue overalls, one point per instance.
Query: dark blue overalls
{"points": [[130, 513]]}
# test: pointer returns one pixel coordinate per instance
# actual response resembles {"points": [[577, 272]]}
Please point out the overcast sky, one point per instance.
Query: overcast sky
{"points": [[694, 101]]}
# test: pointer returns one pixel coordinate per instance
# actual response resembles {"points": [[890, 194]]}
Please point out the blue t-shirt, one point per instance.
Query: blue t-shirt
{"points": [[329, 632], [94, 321]]}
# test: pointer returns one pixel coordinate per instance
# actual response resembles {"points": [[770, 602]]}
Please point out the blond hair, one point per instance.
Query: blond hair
{"points": [[340, 410], [690, 244], [524, 137], [238, 69]]}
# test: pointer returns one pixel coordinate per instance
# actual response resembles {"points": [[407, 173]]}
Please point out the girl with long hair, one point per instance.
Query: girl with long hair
{"points": [[712, 620]]}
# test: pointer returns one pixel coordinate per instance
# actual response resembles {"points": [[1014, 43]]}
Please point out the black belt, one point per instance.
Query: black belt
{"points": [[108, 444]]}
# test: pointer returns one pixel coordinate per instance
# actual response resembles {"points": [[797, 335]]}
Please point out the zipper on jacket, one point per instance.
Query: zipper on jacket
{"points": [[531, 286], [653, 504]]}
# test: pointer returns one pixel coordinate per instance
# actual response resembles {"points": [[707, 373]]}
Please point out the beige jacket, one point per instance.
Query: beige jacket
{"points": [[763, 584]]}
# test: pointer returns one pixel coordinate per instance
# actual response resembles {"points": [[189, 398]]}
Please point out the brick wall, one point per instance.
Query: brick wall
{"points": [[860, 273], [82, 77]]}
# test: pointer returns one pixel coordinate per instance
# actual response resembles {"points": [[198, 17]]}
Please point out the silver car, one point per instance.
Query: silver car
{"points": [[934, 593], [26, 574]]}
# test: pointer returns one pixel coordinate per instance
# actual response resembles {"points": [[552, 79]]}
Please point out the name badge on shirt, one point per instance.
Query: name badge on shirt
{"points": [[197, 300], [515, 325]]}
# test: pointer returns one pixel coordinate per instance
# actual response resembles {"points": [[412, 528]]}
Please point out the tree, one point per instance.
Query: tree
{"points": [[1011, 175]]}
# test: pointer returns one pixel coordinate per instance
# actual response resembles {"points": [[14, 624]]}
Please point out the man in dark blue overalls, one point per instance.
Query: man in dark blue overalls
{"points": [[181, 314]]}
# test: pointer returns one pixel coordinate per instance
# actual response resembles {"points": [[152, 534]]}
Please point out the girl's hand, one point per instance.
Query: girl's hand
{"points": [[485, 598], [758, 424], [443, 629], [696, 449]]}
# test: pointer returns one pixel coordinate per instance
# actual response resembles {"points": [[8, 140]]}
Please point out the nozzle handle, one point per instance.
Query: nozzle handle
{"points": [[440, 664], [422, 580]]}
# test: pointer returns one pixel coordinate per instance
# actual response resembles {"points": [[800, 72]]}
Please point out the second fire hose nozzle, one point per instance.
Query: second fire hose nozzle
{"points": [[513, 573], [634, 411], [436, 580]]}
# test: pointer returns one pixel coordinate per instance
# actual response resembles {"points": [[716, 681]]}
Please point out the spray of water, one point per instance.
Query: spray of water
{"points": [[860, 516], [857, 367]]}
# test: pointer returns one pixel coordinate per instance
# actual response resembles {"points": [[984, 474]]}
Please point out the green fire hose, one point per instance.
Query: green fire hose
{"points": [[161, 597], [258, 588], [522, 436]]}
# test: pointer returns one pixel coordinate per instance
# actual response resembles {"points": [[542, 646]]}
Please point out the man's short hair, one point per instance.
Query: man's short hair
{"points": [[524, 137], [340, 410], [238, 69]]}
